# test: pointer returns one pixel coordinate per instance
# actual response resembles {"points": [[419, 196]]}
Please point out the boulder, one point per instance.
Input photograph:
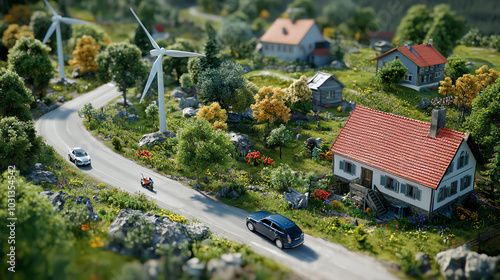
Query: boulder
{"points": [[194, 267], [312, 143], [296, 200], [241, 142], [424, 103], [76, 72], [461, 263], [189, 112], [60, 98], [226, 267], [469, 64], [297, 137], [247, 115], [227, 192], [297, 116], [59, 199], [479, 266], [178, 92], [132, 118], [152, 268], [188, 102], [197, 231], [155, 138], [233, 118], [254, 188], [337, 64], [40, 175], [120, 102]]}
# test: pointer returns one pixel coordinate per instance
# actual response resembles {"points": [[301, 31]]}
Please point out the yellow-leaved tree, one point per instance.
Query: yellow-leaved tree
{"points": [[467, 87], [84, 54], [13, 33], [270, 106], [215, 115], [18, 14]]}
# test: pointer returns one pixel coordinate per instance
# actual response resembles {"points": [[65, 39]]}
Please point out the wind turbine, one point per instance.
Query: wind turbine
{"points": [[56, 19], [157, 68]]}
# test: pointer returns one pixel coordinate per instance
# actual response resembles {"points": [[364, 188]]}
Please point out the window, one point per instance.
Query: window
{"points": [[266, 222], [409, 78], [266, 46], [465, 182], [424, 78], [432, 67], [279, 47], [330, 94], [411, 191], [426, 68], [290, 48], [443, 193], [347, 167], [272, 47], [397, 57], [389, 183], [463, 160], [430, 77], [453, 188], [436, 74], [276, 227], [449, 169]]}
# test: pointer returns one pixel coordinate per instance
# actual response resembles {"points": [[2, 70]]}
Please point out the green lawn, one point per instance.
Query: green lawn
{"points": [[479, 56]]}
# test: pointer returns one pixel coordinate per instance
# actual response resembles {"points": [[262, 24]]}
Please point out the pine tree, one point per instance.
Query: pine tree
{"points": [[490, 177]]}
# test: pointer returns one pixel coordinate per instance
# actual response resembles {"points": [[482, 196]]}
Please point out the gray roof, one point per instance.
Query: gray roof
{"points": [[320, 78]]}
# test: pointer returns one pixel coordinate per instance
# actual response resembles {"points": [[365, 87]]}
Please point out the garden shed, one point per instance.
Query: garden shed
{"points": [[326, 90]]}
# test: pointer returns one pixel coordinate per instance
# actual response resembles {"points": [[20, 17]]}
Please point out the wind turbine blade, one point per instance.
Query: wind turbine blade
{"points": [[154, 70], [155, 45], [50, 7], [75, 21], [173, 53], [50, 31]]}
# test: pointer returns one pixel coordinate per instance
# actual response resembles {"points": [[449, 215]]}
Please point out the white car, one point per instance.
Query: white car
{"points": [[79, 156]]}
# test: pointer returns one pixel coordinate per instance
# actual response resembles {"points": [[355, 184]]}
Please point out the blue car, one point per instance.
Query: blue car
{"points": [[278, 228]]}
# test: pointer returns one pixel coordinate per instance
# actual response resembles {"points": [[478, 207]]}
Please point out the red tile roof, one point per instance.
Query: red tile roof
{"points": [[158, 28], [427, 55], [284, 31], [323, 51], [398, 145]]}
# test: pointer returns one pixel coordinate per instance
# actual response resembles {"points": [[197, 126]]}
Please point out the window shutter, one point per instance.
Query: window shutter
{"points": [[382, 180], [396, 186], [418, 194], [446, 191], [403, 188], [466, 158], [341, 165], [353, 169]]}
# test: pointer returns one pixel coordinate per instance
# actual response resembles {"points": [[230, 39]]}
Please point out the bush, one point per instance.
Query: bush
{"points": [[117, 143]]}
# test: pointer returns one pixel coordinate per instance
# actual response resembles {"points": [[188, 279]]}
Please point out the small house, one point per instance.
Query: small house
{"points": [[158, 32], [326, 89], [393, 161], [379, 36], [293, 40], [425, 64]]}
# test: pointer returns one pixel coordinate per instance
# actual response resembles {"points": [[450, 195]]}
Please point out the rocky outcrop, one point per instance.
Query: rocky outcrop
{"points": [[40, 175], [227, 192], [337, 64], [312, 143], [226, 267], [241, 142], [60, 198], [140, 234], [178, 92], [233, 118], [189, 112], [297, 116], [130, 117], [296, 200], [155, 138], [188, 102], [424, 103], [461, 263]]}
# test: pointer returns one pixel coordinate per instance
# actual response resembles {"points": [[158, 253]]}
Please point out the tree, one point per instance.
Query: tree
{"points": [[236, 35], [414, 25], [471, 38], [495, 42], [392, 73], [101, 37], [19, 144], [141, 40], [44, 251], [270, 106], [18, 14], [201, 147], [84, 54], [3, 48], [197, 65], [86, 111], [15, 98], [218, 84], [40, 23], [152, 112], [484, 120], [455, 68], [215, 115], [307, 6], [282, 177], [490, 177], [122, 64], [337, 12], [298, 96], [176, 66], [361, 20], [13, 33], [243, 97], [30, 60], [279, 136], [446, 29]]}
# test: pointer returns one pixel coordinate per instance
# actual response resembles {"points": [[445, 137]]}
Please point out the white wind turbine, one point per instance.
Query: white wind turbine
{"points": [[56, 20], [157, 68]]}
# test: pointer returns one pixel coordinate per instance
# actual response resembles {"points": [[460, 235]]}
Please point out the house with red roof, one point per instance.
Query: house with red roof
{"points": [[425, 64], [395, 161], [293, 40], [378, 36]]}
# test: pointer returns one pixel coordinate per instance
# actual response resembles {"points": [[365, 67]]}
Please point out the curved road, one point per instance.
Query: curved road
{"points": [[316, 259]]}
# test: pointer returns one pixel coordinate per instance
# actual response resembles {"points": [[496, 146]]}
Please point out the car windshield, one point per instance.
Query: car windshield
{"points": [[294, 230], [80, 153]]}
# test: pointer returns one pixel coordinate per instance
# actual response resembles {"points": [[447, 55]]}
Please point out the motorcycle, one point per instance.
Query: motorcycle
{"points": [[147, 182]]}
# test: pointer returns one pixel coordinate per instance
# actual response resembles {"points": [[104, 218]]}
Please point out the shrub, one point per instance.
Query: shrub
{"points": [[255, 158], [117, 143]]}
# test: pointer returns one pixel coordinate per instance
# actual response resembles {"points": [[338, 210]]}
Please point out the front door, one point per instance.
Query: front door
{"points": [[366, 177]]}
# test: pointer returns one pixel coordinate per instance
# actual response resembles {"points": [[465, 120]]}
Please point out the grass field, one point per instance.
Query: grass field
{"points": [[479, 56]]}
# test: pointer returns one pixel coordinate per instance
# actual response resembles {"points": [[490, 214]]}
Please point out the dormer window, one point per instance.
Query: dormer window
{"points": [[463, 160], [397, 57]]}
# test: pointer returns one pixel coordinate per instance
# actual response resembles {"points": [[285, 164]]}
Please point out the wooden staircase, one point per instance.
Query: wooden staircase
{"points": [[367, 197]]}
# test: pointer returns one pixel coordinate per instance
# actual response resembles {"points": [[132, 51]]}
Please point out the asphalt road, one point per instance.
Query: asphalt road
{"points": [[316, 259]]}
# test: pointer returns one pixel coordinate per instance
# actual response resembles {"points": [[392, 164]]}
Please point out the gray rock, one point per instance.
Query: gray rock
{"points": [[59, 199], [40, 175], [254, 188], [247, 115], [155, 138], [337, 64], [312, 143], [226, 267], [226, 192], [479, 266], [189, 112], [297, 137], [152, 268], [76, 72], [132, 118], [233, 118], [234, 259], [424, 103], [296, 200], [241, 142], [469, 64], [461, 263], [60, 98], [197, 231], [120, 102], [178, 92], [215, 264], [188, 102], [297, 116], [194, 267]]}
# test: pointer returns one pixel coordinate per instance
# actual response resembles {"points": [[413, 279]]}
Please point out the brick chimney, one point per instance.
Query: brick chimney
{"points": [[438, 120]]}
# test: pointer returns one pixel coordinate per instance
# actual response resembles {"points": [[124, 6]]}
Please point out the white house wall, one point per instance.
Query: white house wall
{"points": [[426, 192], [308, 42], [456, 175]]}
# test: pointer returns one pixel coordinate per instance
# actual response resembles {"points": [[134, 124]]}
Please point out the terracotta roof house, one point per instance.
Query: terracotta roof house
{"points": [[326, 89], [295, 40], [158, 32], [425, 64], [395, 161], [377, 36]]}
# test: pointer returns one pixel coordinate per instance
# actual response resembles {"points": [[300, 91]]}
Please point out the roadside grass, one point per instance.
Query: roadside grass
{"points": [[479, 56]]}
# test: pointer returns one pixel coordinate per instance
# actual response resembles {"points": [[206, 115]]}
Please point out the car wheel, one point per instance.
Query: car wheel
{"points": [[69, 159], [250, 226], [279, 244]]}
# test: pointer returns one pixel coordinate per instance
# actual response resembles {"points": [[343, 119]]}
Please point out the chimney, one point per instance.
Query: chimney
{"points": [[438, 120], [431, 41], [284, 30], [408, 45]]}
